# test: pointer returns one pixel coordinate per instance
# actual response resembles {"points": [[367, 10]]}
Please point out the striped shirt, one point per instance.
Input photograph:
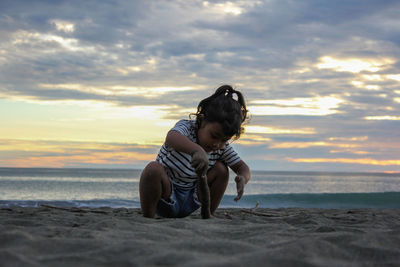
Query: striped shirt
{"points": [[177, 164]]}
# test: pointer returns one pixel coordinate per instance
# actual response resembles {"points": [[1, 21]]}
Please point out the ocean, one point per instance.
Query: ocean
{"points": [[116, 188]]}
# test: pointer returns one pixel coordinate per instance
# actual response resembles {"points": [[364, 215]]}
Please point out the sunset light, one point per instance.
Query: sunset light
{"points": [[353, 65], [84, 85], [316, 106]]}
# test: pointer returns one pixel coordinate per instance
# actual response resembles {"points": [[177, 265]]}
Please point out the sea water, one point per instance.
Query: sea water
{"points": [[120, 188]]}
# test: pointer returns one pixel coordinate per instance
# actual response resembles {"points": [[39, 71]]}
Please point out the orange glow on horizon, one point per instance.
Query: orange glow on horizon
{"points": [[25, 153], [363, 161]]}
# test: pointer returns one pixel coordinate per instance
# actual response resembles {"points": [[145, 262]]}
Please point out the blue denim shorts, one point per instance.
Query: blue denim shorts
{"points": [[182, 203]]}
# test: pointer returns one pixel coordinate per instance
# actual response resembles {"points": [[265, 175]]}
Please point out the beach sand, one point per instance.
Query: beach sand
{"points": [[47, 236]]}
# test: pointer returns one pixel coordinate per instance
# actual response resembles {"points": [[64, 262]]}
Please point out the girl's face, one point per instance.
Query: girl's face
{"points": [[211, 136]]}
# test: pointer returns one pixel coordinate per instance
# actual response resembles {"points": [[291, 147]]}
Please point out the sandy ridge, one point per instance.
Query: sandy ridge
{"points": [[48, 236]]}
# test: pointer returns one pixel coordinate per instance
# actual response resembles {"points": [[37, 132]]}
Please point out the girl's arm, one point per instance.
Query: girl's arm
{"points": [[182, 143], [242, 178], [241, 169]]}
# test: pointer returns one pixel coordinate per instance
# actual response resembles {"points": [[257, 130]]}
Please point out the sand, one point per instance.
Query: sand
{"points": [[47, 236]]}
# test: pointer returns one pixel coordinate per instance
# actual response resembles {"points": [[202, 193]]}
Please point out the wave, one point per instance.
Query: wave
{"points": [[94, 203], [385, 200], [324, 200]]}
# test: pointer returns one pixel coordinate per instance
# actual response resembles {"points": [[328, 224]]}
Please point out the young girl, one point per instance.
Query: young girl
{"points": [[168, 186]]}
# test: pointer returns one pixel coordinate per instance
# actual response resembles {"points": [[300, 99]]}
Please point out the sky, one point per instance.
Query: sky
{"points": [[100, 83]]}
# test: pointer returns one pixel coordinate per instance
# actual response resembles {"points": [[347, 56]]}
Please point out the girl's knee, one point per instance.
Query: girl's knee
{"points": [[153, 176], [220, 170], [153, 169], [222, 167], [154, 173]]}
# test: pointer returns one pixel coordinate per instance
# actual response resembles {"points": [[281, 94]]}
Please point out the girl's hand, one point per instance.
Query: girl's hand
{"points": [[199, 162], [240, 182]]}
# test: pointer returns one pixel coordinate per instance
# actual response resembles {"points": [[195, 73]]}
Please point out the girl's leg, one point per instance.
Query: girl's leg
{"points": [[218, 178], [154, 185]]}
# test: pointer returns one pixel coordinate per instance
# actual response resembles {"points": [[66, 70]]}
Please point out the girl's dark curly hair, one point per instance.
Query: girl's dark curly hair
{"points": [[223, 108]]}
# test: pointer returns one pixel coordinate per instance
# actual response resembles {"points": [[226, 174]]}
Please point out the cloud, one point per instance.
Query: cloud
{"points": [[316, 106], [44, 153], [310, 70], [164, 43]]}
